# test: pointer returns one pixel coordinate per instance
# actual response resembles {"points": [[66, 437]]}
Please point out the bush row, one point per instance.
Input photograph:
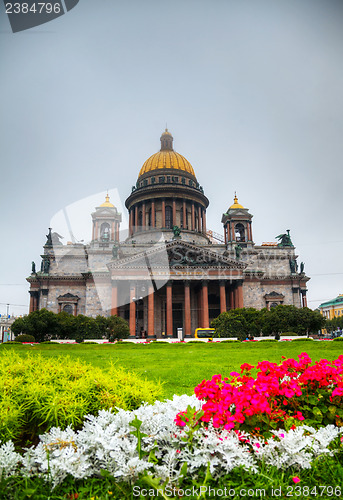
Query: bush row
{"points": [[45, 325]]}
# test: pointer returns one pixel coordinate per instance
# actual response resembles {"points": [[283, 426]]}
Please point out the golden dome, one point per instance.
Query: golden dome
{"points": [[166, 158], [107, 203], [236, 204]]}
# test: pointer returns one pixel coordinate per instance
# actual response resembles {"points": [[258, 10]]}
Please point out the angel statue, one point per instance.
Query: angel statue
{"points": [[176, 231], [284, 239], [238, 251]]}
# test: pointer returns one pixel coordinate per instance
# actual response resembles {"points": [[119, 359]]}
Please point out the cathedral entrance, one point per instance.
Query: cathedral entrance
{"points": [[177, 317]]}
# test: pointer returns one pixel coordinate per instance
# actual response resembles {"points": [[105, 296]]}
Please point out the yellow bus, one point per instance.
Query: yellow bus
{"points": [[204, 333]]}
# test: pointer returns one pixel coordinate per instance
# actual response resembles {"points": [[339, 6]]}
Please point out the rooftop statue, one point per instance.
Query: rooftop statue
{"points": [[284, 239], [45, 266], [293, 265], [115, 251], [48, 242], [176, 231], [55, 237], [238, 251]]}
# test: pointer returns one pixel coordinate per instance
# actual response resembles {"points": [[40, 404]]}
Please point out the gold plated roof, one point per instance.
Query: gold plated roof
{"points": [[107, 203], [236, 204], [166, 158]]}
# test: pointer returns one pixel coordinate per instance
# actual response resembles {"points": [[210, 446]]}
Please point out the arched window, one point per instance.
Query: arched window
{"points": [[181, 217], [149, 217], [105, 231], [68, 308], [140, 218], [169, 217], [239, 232]]}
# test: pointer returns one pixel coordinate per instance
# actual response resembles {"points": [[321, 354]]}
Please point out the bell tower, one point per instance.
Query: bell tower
{"points": [[237, 222], [106, 223]]}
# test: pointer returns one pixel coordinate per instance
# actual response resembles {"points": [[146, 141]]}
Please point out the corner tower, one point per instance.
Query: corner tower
{"points": [[106, 223], [237, 223], [167, 194]]}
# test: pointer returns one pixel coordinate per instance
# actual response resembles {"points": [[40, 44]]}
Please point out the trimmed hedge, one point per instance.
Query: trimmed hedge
{"points": [[25, 338]]}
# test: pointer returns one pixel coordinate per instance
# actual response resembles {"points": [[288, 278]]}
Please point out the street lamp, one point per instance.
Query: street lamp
{"points": [[136, 300]]}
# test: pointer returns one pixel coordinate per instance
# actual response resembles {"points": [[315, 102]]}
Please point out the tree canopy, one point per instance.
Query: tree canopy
{"points": [[45, 325], [245, 322]]}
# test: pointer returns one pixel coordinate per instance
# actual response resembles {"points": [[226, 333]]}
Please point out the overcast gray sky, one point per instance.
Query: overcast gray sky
{"points": [[252, 92]]}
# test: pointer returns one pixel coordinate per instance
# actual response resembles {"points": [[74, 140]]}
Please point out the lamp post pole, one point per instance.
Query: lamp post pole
{"points": [[137, 300]]}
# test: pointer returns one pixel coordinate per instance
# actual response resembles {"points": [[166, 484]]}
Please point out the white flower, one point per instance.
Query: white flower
{"points": [[108, 442], [9, 460]]}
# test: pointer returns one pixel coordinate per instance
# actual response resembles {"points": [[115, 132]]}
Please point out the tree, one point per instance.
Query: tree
{"points": [[66, 325], [308, 321], [118, 328], [238, 323], [85, 328], [280, 319], [42, 324], [113, 327]]}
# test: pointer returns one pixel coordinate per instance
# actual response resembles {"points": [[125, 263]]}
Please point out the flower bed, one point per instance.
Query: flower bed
{"points": [[163, 442], [124, 443], [280, 395]]}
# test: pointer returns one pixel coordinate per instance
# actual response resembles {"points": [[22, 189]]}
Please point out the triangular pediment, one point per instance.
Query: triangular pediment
{"points": [[177, 254], [104, 211], [241, 213]]}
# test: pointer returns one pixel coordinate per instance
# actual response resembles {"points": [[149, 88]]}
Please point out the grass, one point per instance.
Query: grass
{"points": [[182, 366]]}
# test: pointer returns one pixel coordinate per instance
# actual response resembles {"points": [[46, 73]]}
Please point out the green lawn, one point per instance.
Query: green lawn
{"points": [[182, 366]]}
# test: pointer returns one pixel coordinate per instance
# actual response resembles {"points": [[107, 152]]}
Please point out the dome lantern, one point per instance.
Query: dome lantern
{"points": [[166, 141], [166, 159]]}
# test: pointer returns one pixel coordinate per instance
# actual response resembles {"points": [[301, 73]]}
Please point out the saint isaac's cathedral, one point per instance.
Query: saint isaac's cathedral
{"points": [[170, 271]]}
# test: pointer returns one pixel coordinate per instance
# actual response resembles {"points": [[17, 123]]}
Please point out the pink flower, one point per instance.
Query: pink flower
{"points": [[296, 479]]}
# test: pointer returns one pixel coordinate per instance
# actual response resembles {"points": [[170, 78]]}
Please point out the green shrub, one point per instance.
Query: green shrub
{"points": [[38, 393], [25, 338], [267, 340], [49, 342], [338, 339], [303, 340], [290, 334], [230, 341]]}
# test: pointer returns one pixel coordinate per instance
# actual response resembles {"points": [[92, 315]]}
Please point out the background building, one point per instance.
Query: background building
{"points": [[6, 322], [170, 271], [333, 308]]}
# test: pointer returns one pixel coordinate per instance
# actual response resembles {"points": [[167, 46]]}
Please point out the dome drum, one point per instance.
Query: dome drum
{"points": [[167, 194]]}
